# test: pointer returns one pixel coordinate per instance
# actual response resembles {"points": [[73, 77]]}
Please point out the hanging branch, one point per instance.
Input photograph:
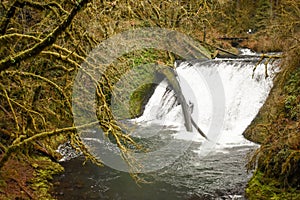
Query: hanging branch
{"points": [[20, 4], [55, 46], [47, 41], [10, 106], [9, 14], [18, 143], [46, 80], [269, 58]]}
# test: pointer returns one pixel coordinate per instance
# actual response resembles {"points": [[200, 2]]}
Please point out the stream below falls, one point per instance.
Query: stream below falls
{"points": [[222, 175]]}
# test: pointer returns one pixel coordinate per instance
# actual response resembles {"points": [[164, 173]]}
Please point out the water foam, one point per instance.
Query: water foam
{"points": [[245, 92]]}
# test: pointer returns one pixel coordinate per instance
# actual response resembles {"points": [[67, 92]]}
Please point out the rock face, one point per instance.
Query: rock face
{"points": [[257, 131]]}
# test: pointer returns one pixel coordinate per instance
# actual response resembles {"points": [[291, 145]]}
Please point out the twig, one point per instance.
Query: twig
{"points": [[31, 196], [269, 58], [44, 79], [11, 107]]}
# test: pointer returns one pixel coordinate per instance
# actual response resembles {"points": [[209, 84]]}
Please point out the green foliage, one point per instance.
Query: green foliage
{"points": [[292, 100], [278, 158], [44, 170], [263, 14], [264, 188], [277, 126], [292, 107]]}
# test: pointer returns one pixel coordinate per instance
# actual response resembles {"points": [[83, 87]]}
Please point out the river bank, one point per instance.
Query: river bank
{"points": [[276, 129]]}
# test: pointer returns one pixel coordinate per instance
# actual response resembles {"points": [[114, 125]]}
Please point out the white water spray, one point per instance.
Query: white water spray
{"points": [[244, 95]]}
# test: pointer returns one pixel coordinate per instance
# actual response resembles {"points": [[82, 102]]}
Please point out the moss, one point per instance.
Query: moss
{"points": [[134, 79], [44, 170], [276, 128], [261, 187], [139, 99], [292, 100]]}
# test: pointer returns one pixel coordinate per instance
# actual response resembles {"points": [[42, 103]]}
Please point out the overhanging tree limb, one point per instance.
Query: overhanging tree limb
{"points": [[68, 103], [47, 41], [55, 46], [17, 145]]}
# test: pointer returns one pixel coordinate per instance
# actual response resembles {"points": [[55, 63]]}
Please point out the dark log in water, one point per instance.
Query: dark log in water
{"points": [[170, 75]]}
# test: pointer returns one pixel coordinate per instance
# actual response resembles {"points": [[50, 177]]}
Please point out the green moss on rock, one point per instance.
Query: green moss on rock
{"points": [[276, 128], [264, 188], [44, 171]]}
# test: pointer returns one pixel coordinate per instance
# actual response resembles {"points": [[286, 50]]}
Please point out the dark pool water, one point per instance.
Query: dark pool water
{"points": [[220, 175]]}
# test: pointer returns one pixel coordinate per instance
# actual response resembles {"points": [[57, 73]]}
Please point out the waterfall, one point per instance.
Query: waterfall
{"points": [[224, 96], [230, 104]]}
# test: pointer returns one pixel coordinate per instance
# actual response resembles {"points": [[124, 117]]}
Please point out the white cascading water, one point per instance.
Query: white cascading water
{"points": [[243, 95]]}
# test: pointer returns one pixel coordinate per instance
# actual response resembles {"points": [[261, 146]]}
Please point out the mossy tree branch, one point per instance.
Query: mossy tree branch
{"points": [[21, 143], [47, 41], [20, 4]]}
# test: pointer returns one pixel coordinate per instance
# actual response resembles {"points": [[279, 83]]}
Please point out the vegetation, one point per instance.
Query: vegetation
{"points": [[276, 127], [261, 187], [44, 43]]}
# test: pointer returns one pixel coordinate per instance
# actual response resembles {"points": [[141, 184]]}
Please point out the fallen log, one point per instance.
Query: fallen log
{"points": [[170, 75]]}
